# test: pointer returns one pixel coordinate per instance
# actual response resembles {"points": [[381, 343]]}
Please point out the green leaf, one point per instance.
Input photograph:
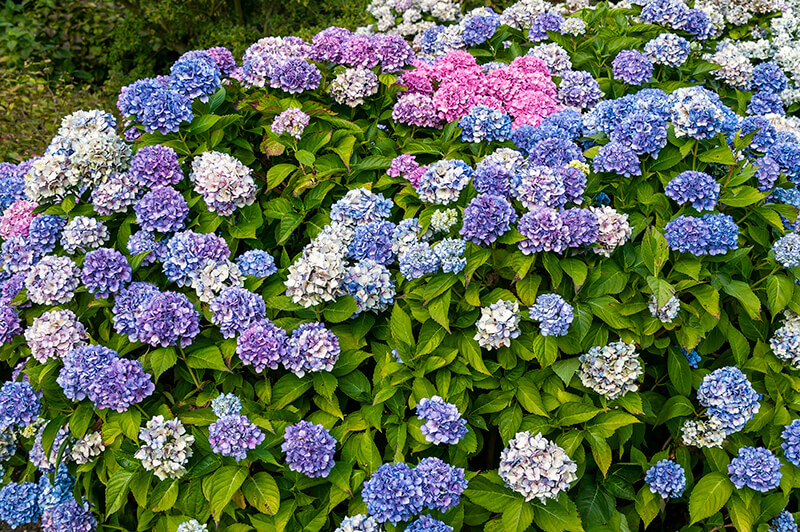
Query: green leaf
{"points": [[741, 196], [489, 495], [719, 155], [117, 490], [206, 358], [277, 174], [742, 291], [601, 451], [674, 407], [305, 157], [779, 292], [164, 496], [81, 418], [162, 359], [607, 423], [565, 369], [647, 505], [341, 310], [709, 495], [529, 397], [262, 492], [680, 373], [401, 326], [708, 297], [655, 250], [472, 352], [517, 516], [202, 123], [222, 487], [559, 515], [573, 413]]}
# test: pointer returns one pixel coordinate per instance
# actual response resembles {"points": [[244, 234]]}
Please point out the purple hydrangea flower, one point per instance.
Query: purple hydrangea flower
{"points": [[54, 334], [582, 225], [10, 324], [442, 484], [162, 210], [554, 152], [328, 44], [235, 309], [291, 121], [167, 319], [17, 255], [730, 397], [120, 384], [393, 493], [262, 345], [223, 59], [126, 305], [69, 516], [492, 178], [697, 187], [145, 242], [156, 165], [105, 272], [699, 24], [359, 51], [295, 75], [553, 313], [574, 182], [579, 89], [309, 449], [52, 281], [539, 186], [617, 158], [666, 478], [11, 287], [233, 436], [81, 368], [312, 348], [256, 263], [544, 230], [373, 241], [764, 136], [642, 131], [632, 67], [755, 467], [19, 405], [393, 52], [442, 422], [416, 109]]}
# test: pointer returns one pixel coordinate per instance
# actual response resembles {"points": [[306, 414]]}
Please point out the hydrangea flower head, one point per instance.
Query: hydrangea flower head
{"points": [[418, 260], [223, 181], [371, 284], [544, 230], [442, 422], [442, 484], [443, 181], [44, 232], [226, 404], [579, 89], [373, 241], [312, 348], [233, 436], [360, 206], [166, 319], [105, 272], [82, 234], [666, 313], [10, 324], [19, 405], [498, 325], [666, 478], [161, 210], [617, 158], [309, 449], [791, 442], [632, 67], [262, 345], [699, 188], [292, 121], [119, 384], [235, 309], [668, 49], [359, 523], [166, 447], [393, 493], [192, 525], [729, 396], [549, 21], [611, 370], [81, 369], [195, 76], [19, 504], [426, 523], [54, 334], [16, 220], [787, 250], [553, 313], [536, 467], [486, 218], [484, 124], [755, 467], [156, 165], [69, 516], [784, 522]]}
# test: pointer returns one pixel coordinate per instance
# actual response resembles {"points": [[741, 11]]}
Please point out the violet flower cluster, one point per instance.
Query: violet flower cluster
{"points": [[309, 449], [442, 422]]}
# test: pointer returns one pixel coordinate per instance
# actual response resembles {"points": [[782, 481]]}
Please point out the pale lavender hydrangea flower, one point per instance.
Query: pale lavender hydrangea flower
{"points": [[309, 449], [162, 210], [611, 370], [233, 436], [52, 281], [223, 181], [312, 348], [235, 309], [54, 334], [105, 272], [442, 422], [262, 345], [536, 467], [291, 121]]}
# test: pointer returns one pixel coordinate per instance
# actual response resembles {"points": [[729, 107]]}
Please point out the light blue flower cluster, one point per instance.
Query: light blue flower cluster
{"points": [[553, 313], [699, 113], [19, 504], [360, 206], [262, 345], [484, 124], [668, 49], [226, 404], [617, 158], [730, 397], [309, 449], [426, 523], [486, 218], [442, 422], [195, 75], [791, 442], [757, 468], [787, 250], [666, 478], [256, 263], [359, 523], [443, 181], [450, 254], [783, 523], [69, 516], [632, 67], [19, 405], [418, 260], [370, 284], [373, 241]]}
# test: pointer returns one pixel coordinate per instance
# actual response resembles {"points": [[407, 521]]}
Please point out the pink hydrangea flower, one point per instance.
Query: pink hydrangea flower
{"points": [[16, 219]]}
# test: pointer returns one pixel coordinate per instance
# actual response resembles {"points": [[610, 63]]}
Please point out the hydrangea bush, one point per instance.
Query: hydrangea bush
{"points": [[528, 270]]}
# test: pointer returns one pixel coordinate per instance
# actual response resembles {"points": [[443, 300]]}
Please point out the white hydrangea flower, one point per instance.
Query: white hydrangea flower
{"points": [[211, 277], [351, 86], [785, 341], [317, 275], [54, 334], [536, 467], [699, 433], [611, 370], [668, 312], [614, 229], [88, 448], [167, 447], [498, 324], [223, 181], [736, 71]]}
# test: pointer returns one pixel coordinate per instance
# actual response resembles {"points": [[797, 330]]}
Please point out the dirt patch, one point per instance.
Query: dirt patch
{"points": [[22, 528]]}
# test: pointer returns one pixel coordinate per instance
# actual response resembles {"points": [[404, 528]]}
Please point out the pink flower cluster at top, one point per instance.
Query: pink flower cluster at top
{"points": [[447, 90]]}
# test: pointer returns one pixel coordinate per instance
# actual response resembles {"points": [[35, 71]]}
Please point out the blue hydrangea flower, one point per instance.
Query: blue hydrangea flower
{"points": [[543, 23], [755, 467], [539, 186], [427, 523], [373, 241], [697, 187], [698, 24], [783, 523], [553, 313], [617, 158], [632, 67], [642, 132], [361, 206], [787, 155], [450, 254], [791, 442], [442, 422], [17, 255], [44, 232], [671, 13], [787, 250], [730, 397], [233, 436], [187, 250], [486, 218], [309, 449], [393, 493], [666, 478], [554, 152], [765, 134], [226, 404], [256, 263], [764, 103], [359, 523], [57, 492], [566, 124], [484, 124], [723, 233], [479, 28], [699, 113], [158, 108], [418, 260], [19, 405], [144, 242], [195, 76], [768, 76], [162, 210], [713, 234], [105, 272], [19, 504], [583, 227], [668, 49], [81, 368], [442, 484], [443, 181], [370, 284], [693, 357], [119, 384], [493, 178], [235, 309]]}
